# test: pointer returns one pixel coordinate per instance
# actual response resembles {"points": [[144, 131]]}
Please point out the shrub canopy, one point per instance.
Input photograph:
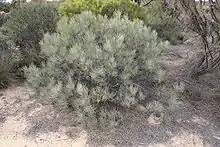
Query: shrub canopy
{"points": [[154, 15], [92, 63], [27, 26], [6, 7], [105, 7]]}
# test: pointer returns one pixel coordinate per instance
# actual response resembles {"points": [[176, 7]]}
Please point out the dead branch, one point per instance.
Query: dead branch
{"points": [[148, 3], [200, 21]]}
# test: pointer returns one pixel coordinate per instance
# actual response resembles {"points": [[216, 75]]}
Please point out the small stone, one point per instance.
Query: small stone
{"points": [[155, 119], [141, 108]]}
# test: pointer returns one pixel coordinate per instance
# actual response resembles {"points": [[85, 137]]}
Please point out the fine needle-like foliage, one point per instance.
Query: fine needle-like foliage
{"points": [[92, 62]]}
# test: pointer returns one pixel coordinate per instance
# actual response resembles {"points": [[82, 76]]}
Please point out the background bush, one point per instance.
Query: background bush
{"points": [[154, 15], [6, 7], [105, 7], [163, 20], [8, 60], [92, 63], [4, 62], [27, 26], [3, 19]]}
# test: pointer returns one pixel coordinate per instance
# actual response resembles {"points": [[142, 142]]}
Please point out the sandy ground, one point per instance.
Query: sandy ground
{"points": [[26, 123]]}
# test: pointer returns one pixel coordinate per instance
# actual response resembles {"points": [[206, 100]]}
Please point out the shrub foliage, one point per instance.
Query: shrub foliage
{"points": [[92, 62], [162, 19], [3, 19], [7, 61], [105, 7], [6, 7], [27, 26], [154, 15]]}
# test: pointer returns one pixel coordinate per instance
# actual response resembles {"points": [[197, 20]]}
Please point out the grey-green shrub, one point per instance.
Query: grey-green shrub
{"points": [[27, 26], [3, 19], [7, 61], [92, 62], [6, 7], [163, 20]]}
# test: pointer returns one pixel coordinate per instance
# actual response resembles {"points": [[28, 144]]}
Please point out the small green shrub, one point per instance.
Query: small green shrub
{"points": [[92, 63], [27, 26], [105, 7]]}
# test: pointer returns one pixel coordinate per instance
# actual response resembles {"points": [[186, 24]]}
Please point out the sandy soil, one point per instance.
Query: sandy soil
{"points": [[26, 123]]}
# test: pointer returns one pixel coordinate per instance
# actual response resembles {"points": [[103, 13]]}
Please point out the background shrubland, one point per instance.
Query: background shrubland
{"points": [[102, 68], [26, 27], [21, 31], [6, 61], [161, 19], [4, 7]]}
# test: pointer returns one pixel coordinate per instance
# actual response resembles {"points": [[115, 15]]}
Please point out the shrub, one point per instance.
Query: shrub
{"points": [[163, 20], [7, 61], [27, 26], [105, 7], [6, 7], [3, 19], [4, 56], [154, 15], [92, 63]]}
